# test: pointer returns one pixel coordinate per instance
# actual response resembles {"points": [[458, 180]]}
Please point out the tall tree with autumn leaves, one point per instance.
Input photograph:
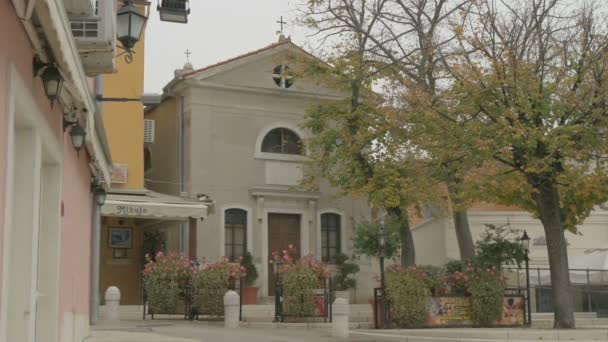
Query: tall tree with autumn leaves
{"points": [[505, 96], [532, 76], [371, 41], [354, 144]]}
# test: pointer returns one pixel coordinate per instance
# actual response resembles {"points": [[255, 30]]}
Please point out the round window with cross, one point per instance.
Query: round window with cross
{"points": [[282, 77]]}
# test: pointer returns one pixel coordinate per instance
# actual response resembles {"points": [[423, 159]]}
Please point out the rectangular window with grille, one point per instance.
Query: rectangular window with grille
{"points": [[330, 237], [235, 233], [85, 29]]}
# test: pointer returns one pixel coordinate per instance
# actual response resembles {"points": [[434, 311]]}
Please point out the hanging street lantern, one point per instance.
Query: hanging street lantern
{"points": [[525, 242], [130, 24], [100, 196], [77, 133], [174, 11], [52, 81]]}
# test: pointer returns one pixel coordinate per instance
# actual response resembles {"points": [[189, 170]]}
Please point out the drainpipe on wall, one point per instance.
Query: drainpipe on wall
{"points": [[183, 243], [96, 234]]}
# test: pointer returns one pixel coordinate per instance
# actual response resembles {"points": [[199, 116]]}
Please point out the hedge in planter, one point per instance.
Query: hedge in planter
{"points": [[486, 288], [408, 293], [210, 283], [300, 277], [165, 279]]}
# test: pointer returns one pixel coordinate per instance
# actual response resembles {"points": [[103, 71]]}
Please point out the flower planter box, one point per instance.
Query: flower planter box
{"points": [[455, 311], [249, 295]]}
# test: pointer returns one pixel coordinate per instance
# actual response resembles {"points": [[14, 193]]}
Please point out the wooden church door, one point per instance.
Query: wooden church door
{"points": [[283, 230]]}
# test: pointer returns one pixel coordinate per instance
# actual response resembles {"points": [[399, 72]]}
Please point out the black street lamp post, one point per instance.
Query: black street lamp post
{"points": [[382, 243], [525, 242]]}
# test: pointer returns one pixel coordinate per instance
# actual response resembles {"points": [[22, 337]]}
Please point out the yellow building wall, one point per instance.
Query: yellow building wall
{"points": [[124, 121], [123, 271], [164, 175]]}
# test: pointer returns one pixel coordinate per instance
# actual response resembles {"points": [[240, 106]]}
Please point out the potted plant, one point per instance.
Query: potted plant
{"points": [[343, 280], [249, 292]]}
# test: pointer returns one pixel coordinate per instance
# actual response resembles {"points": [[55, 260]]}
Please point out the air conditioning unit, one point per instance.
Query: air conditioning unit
{"points": [[149, 126], [80, 7], [95, 38]]}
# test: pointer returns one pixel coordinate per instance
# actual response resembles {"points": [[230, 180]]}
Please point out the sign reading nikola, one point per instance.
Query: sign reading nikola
{"points": [[131, 210]]}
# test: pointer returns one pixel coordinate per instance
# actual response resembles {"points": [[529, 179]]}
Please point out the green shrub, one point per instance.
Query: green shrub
{"points": [[210, 283], [499, 245], [165, 279], [252, 272], [300, 277], [343, 279], [487, 292], [408, 293], [298, 290], [365, 241], [436, 279]]}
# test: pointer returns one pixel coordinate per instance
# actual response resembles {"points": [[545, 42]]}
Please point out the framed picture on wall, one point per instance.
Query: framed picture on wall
{"points": [[121, 238]]}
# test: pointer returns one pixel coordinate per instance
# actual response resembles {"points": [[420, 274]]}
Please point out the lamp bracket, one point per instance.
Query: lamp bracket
{"points": [[38, 66], [68, 123], [128, 54], [95, 183]]}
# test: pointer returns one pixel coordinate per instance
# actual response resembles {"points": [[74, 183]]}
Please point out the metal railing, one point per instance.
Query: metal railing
{"points": [[321, 302], [589, 287], [186, 304]]}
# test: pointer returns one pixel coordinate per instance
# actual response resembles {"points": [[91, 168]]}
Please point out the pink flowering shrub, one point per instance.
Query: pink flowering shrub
{"points": [[165, 279], [486, 287], [408, 291], [299, 277], [211, 281]]}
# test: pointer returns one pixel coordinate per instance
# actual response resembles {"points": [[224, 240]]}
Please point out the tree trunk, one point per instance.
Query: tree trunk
{"points": [[461, 222], [547, 202], [463, 235], [408, 251]]}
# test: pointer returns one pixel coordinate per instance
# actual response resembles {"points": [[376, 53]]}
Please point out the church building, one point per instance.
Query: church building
{"points": [[230, 132]]}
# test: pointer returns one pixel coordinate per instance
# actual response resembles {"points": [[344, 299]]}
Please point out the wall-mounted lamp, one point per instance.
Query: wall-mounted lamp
{"points": [[99, 193], [130, 24], [77, 134], [51, 78]]}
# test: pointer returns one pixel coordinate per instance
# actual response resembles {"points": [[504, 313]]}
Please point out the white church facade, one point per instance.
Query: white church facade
{"points": [[231, 132]]}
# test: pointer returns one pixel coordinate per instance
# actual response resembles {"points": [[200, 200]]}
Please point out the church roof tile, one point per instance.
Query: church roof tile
{"points": [[269, 47]]}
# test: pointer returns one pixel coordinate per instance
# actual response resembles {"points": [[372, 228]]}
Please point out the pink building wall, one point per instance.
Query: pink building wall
{"points": [[16, 51], [75, 262]]}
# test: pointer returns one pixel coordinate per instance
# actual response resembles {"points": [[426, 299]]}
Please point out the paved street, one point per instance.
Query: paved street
{"points": [[211, 332], [182, 331]]}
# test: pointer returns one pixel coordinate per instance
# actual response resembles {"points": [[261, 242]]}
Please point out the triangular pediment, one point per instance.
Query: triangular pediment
{"points": [[275, 67]]}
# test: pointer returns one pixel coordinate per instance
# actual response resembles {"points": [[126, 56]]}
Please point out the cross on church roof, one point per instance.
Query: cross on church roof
{"points": [[281, 22], [187, 53]]}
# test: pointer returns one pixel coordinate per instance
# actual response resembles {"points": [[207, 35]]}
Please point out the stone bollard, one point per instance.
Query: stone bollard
{"points": [[231, 310], [340, 311], [112, 303]]}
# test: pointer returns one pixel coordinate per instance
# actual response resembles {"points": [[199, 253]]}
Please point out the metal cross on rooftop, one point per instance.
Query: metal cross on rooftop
{"points": [[187, 53], [281, 22]]}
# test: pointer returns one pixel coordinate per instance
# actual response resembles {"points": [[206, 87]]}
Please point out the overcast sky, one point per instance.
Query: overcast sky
{"points": [[217, 30]]}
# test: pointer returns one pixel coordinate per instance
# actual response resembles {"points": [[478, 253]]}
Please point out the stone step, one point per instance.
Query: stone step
{"points": [[496, 334], [549, 315], [123, 336], [580, 322], [269, 319], [352, 325]]}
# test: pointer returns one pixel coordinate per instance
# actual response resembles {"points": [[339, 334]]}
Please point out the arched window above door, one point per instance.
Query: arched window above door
{"points": [[282, 140]]}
